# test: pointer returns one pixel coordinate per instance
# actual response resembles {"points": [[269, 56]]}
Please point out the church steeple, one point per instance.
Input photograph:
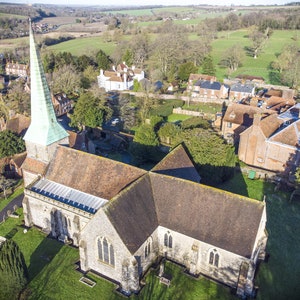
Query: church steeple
{"points": [[44, 129]]}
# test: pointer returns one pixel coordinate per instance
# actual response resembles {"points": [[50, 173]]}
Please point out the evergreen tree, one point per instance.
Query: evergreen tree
{"points": [[90, 111], [144, 146], [13, 270], [213, 157], [185, 70], [10, 143], [103, 60], [128, 58], [208, 67]]}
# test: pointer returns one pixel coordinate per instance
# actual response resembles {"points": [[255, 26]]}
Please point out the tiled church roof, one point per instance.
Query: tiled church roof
{"points": [[213, 216], [91, 174], [133, 213], [216, 217]]}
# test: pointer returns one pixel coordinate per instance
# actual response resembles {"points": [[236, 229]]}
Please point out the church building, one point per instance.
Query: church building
{"points": [[123, 218]]}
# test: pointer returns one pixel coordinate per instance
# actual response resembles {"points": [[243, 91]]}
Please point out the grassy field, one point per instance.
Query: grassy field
{"points": [[52, 264], [86, 45], [251, 66]]}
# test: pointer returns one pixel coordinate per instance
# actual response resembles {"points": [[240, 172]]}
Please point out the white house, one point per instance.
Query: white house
{"points": [[120, 78]]}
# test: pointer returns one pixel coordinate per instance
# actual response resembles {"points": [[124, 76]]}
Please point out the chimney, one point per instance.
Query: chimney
{"points": [[256, 119], [101, 72]]}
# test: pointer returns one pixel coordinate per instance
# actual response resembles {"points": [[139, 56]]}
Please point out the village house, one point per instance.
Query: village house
{"points": [[277, 92], [123, 218], [193, 78], [239, 117], [62, 104], [120, 78], [17, 69], [238, 91], [210, 90], [272, 143]]}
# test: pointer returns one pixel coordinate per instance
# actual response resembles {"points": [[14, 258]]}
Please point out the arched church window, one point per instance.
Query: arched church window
{"points": [[166, 240], [148, 248], [170, 241], [214, 258], [106, 251], [100, 252], [112, 255]]}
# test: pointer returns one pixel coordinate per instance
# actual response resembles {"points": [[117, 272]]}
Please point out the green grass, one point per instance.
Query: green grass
{"points": [[277, 278], [4, 202], [208, 108], [85, 45], [251, 66], [177, 117], [183, 287]]}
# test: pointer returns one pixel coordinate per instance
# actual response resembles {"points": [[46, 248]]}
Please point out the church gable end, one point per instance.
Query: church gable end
{"points": [[178, 164]]}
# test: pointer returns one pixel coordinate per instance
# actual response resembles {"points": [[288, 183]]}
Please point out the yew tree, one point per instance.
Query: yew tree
{"points": [[90, 111], [13, 270], [213, 157]]}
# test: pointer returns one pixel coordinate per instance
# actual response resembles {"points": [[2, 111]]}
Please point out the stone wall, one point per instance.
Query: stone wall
{"points": [[125, 270], [195, 254], [61, 220]]}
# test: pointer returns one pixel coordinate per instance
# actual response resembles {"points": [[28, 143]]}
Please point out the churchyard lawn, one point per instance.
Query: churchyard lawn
{"points": [[53, 274]]}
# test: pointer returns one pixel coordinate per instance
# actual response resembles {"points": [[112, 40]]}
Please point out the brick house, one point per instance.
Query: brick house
{"points": [[210, 90], [239, 91], [17, 69], [62, 104], [239, 117], [272, 143]]}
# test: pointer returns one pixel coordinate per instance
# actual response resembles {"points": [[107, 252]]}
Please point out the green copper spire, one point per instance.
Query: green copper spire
{"points": [[44, 128]]}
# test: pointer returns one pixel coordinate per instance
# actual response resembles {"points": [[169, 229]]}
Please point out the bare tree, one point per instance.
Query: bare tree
{"points": [[258, 39], [232, 57], [288, 64], [18, 100], [65, 79]]}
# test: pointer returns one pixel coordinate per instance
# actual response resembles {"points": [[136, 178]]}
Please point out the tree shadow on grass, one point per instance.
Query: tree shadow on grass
{"points": [[236, 184], [42, 255]]}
